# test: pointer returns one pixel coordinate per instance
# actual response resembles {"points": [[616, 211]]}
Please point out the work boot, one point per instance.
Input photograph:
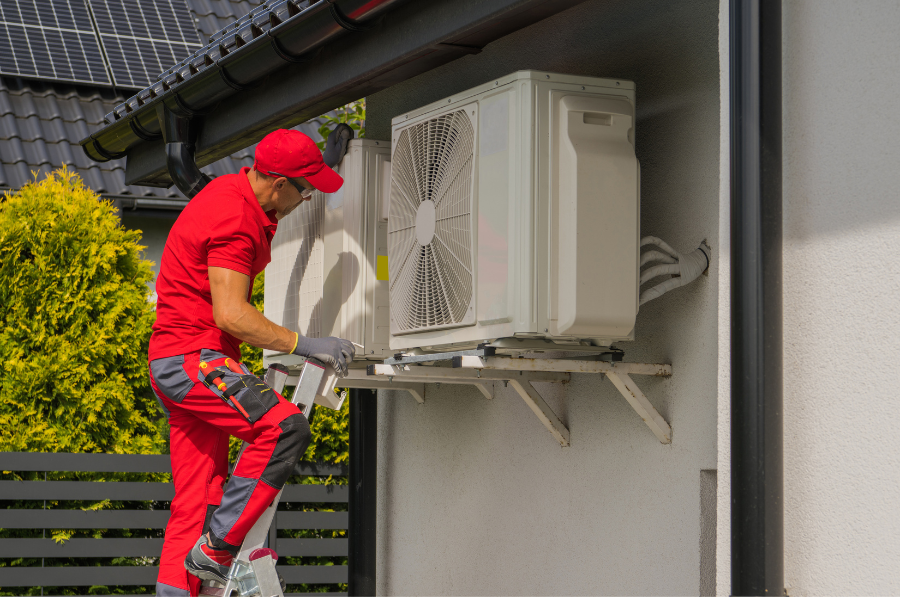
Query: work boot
{"points": [[207, 562]]}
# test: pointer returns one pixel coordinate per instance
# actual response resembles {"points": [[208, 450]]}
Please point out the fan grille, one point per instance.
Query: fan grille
{"points": [[431, 279]]}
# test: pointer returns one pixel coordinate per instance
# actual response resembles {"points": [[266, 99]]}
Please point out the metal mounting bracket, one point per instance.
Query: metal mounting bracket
{"points": [[482, 368], [618, 373]]}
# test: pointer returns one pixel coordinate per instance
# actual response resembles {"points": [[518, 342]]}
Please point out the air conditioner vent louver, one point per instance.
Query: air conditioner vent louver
{"points": [[430, 229]]}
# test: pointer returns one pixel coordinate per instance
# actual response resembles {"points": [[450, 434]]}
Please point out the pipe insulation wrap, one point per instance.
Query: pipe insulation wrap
{"points": [[658, 270], [654, 255], [686, 267], [651, 240]]}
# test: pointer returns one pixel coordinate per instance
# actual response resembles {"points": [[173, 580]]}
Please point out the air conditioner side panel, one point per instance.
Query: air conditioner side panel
{"points": [[495, 176], [377, 334], [352, 254], [598, 228]]}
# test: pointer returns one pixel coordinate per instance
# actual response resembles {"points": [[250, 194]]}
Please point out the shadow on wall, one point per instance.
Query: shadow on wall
{"points": [[322, 319], [290, 319], [840, 118]]}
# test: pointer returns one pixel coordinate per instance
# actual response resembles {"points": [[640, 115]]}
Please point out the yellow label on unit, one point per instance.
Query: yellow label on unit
{"points": [[381, 268]]}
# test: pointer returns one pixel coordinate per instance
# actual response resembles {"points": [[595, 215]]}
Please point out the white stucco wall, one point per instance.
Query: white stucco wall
{"points": [[154, 232], [841, 291], [475, 497]]}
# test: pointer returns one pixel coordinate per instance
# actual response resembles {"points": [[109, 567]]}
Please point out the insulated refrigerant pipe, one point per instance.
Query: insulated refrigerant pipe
{"points": [[757, 517]]}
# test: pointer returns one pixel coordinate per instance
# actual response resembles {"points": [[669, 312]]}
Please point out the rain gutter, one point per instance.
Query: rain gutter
{"points": [[271, 92]]}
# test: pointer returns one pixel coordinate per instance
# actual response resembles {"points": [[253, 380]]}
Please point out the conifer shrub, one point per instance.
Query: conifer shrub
{"points": [[74, 325]]}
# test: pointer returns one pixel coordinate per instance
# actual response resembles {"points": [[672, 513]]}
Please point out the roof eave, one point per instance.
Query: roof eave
{"points": [[414, 38]]}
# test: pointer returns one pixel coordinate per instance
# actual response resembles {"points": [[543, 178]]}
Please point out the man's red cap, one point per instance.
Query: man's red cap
{"points": [[294, 154]]}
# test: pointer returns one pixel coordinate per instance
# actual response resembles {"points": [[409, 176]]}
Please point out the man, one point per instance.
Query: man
{"points": [[216, 248]]}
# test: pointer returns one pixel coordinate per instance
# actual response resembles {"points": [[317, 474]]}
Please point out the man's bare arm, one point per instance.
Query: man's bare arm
{"points": [[234, 315]]}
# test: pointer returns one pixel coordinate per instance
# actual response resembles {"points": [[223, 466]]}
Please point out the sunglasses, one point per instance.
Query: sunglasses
{"points": [[304, 193]]}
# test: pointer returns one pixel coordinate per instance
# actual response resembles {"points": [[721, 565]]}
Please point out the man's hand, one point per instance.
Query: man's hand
{"points": [[235, 315], [332, 351]]}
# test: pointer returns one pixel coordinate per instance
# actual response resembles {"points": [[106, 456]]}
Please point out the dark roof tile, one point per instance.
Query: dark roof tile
{"points": [[12, 152], [7, 125], [213, 15], [30, 128], [55, 131]]}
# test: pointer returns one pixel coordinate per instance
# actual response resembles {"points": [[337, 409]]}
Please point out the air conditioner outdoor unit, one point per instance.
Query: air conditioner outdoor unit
{"points": [[328, 274], [514, 215]]}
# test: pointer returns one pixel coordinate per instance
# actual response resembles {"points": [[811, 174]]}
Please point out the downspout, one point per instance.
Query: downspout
{"points": [[179, 130], [757, 480], [363, 480]]}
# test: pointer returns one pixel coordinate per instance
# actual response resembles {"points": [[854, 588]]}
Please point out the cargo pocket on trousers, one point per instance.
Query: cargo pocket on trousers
{"points": [[253, 395]]}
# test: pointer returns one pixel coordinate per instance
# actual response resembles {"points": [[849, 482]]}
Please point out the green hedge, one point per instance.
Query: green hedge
{"points": [[74, 325]]}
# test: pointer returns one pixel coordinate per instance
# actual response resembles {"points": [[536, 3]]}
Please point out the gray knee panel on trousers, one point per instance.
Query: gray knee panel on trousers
{"points": [[292, 443]]}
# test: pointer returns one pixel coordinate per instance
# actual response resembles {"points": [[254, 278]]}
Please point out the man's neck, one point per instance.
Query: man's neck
{"points": [[262, 190]]}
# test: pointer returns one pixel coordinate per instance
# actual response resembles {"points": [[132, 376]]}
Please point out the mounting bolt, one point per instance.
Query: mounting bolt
{"points": [[390, 379], [478, 372]]}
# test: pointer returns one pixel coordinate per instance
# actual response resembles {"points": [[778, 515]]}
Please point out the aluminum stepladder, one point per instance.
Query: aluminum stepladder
{"points": [[253, 569]]}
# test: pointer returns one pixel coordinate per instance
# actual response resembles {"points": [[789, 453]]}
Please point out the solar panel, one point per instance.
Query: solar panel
{"points": [[50, 39], [143, 38]]}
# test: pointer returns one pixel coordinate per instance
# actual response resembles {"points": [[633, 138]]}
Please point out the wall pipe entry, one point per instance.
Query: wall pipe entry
{"points": [[757, 480]]}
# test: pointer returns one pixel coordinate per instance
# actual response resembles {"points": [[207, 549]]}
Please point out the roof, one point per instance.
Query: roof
{"points": [[41, 123]]}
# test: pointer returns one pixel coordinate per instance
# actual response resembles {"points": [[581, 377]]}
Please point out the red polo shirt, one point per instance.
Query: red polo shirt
{"points": [[222, 226]]}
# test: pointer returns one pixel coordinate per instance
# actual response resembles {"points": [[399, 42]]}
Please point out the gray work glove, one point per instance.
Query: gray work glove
{"points": [[332, 351]]}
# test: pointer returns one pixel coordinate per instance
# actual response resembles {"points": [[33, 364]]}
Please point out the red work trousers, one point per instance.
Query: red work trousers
{"points": [[201, 420]]}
